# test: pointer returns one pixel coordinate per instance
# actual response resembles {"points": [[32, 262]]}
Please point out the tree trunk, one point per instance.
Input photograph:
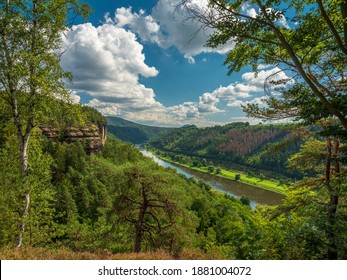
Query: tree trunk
{"points": [[23, 142], [332, 246], [140, 220], [334, 199], [300, 68], [25, 172], [23, 136], [139, 229], [24, 217]]}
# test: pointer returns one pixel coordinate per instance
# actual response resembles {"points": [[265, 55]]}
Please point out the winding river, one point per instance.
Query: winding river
{"points": [[234, 188]]}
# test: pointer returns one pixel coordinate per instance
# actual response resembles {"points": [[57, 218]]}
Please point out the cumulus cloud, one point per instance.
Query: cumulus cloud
{"points": [[263, 76], [264, 66], [235, 103], [168, 26], [106, 63], [248, 10], [182, 112], [147, 28], [207, 103], [105, 108], [244, 92], [234, 95], [74, 97], [234, 90]]}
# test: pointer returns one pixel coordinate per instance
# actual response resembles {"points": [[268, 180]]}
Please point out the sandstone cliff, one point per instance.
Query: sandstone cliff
{"points": [[94, 136]]}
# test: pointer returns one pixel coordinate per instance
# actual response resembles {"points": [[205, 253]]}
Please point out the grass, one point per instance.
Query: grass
{"points": [[271, 185], [32, 253], [267, 184]]}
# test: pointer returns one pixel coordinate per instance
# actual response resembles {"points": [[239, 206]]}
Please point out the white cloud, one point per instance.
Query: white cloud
{"points": [[74, 97], [171, 25], [184, 112], [145, 26], [248, 10], [256, 101], [281, 18], [233, 91], [275, 74], [105, 108], [168, 26], [243, 92], [264, 66], [235, 103], [106, 62], [282, 21], [207, 103]]}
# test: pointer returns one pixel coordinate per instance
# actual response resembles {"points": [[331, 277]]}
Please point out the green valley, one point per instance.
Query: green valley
{"points": [[237, 146], [132, 132], [277, 186], [74, 184]]}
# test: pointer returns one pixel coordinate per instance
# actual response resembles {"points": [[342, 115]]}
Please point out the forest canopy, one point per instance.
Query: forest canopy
{"points": [[58, 194]]}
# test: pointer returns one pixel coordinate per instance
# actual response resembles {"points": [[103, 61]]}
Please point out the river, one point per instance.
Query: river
{"points": [[234, 188]]}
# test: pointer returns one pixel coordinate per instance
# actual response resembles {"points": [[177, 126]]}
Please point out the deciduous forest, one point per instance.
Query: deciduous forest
{"points": [[70, 190]]}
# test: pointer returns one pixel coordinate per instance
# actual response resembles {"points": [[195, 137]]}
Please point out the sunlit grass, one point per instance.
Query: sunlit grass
{"points": [[32, 253], [271, 185]]}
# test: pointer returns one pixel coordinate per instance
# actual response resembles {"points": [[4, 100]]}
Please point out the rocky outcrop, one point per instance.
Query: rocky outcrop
{"points": [[94, 136]]}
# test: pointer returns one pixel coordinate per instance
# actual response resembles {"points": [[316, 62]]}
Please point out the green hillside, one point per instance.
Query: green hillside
{"points": [[265, 147], [132, 132]]}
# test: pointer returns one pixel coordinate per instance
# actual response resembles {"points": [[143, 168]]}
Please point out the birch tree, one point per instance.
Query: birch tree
{"points": [[30, 74]]}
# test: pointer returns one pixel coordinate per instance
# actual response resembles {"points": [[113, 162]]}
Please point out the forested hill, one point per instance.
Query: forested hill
{"points": [[132, 132], [260, 146]]}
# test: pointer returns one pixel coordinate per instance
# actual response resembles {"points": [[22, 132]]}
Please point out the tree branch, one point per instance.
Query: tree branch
{"points": [[332, 27]]}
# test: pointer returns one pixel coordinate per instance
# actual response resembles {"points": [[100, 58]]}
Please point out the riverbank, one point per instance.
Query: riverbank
{"points": [[266, 184]]}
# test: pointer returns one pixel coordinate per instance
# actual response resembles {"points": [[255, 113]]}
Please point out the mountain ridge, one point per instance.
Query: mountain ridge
{"points": [[132, 132], [258, 146]]}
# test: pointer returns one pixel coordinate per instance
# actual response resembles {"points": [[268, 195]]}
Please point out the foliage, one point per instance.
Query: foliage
{"points": [[39, 222], [307, 39], [132, 132], [31, 77], [55, 195], [92, 203], [260, 146]]}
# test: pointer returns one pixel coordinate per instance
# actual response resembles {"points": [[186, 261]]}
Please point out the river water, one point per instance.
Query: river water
{"points": [[234, 188]]}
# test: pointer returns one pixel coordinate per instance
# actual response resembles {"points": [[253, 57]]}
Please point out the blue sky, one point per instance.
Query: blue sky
{"points": [[137, 60]]}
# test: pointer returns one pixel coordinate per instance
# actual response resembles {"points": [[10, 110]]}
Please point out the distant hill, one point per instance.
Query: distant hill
{"points": [[264, 147], [132, 132]]}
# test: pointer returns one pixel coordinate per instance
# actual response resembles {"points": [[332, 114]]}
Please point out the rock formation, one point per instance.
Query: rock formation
{"points": [[94, 136]]}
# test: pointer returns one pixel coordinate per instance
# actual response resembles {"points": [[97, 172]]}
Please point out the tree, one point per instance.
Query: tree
{"points": [[306, 38], [146, 202], [210, 169], [322, 159], [245, 200], [40, 223], [30, 74], [262, 177]]}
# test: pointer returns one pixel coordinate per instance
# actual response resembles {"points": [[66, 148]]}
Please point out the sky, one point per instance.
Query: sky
{"points": [[139, 60]]}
